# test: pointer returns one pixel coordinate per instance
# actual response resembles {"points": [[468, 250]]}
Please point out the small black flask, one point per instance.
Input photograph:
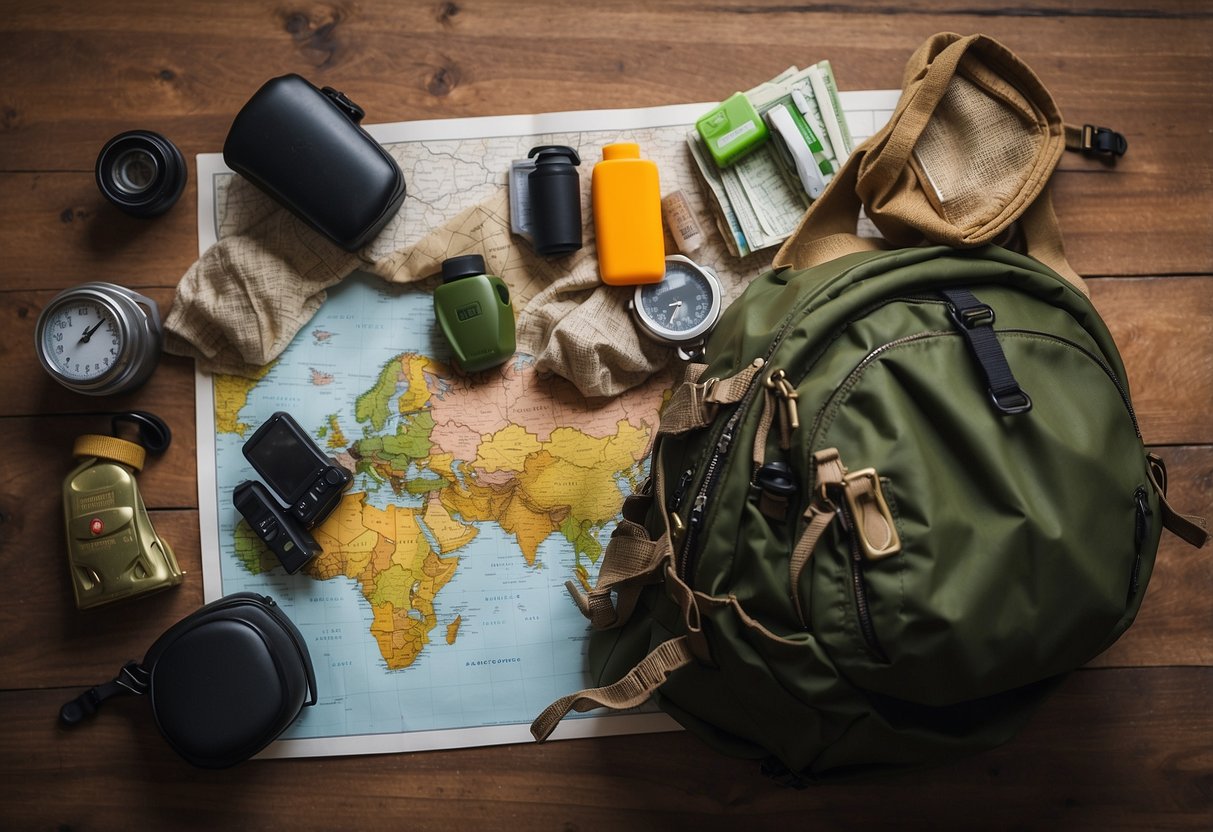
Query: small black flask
{"points": [[555, 192]]}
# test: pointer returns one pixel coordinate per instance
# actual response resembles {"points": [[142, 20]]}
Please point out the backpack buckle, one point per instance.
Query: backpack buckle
{"points": [[1103, 141]]}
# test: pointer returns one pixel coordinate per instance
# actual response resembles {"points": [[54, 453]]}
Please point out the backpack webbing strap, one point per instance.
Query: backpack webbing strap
{"points": [[694, 402], [1191, 529], [633, 689], [630, 563], [830, 473], [975, 320]]}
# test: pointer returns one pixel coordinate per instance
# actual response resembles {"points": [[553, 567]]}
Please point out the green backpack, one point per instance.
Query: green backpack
{"points": [[907, 494]]}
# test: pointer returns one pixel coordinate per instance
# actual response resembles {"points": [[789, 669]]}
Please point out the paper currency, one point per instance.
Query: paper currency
{"points": [[759, 200]]}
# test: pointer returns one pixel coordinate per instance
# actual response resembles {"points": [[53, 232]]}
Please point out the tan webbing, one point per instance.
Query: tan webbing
{"points": [[694, 403], [1188, 527], [111, 448], [820, 513], [633, 689]]}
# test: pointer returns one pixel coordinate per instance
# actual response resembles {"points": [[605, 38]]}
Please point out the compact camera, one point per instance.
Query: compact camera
{"points": [[302, 476]]}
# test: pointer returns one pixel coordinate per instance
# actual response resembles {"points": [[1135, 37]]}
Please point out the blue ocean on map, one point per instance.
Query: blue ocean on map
{"points": [[520, 640]]}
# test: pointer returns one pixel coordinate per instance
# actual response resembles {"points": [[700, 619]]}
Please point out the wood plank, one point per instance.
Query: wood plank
{"points": [[1113, 749], [1164, 332], [46, 642]]}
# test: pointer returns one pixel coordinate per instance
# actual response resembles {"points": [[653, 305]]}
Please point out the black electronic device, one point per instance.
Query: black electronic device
{"points": [[305, 147], [287, 539], [298, 471]]}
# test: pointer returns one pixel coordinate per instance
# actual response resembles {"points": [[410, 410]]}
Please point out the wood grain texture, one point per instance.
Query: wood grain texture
{"points": [[115, 773], [1125, 744]]}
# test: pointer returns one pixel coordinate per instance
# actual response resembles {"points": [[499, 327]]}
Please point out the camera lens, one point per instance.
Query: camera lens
{"points": [[141, 172]]}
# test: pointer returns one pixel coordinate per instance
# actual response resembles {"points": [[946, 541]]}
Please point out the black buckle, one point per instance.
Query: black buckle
{"points": [[352, 110], [972, 317], [1103, 141], [1011, 402]]}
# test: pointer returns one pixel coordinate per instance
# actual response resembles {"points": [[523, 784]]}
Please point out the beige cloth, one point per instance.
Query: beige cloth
{"points": [[964, 160], [241, 303]]}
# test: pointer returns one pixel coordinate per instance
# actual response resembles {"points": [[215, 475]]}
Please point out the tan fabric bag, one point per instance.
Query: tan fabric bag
{"points": [[968, 152]]}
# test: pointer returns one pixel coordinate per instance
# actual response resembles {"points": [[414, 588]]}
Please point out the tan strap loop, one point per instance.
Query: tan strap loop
{"points": [[631, 562], [688, 601], [1190, 528], [694, 403], [111, 448], [819, 520], [633, 689]]}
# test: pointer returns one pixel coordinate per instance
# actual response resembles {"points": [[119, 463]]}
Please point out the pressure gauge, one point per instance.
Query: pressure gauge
{"points": [[99, 338], [680, 310]]}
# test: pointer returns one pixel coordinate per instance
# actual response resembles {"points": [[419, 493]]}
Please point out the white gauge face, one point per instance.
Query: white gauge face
{"points": [[82, 339], [682, 306]]}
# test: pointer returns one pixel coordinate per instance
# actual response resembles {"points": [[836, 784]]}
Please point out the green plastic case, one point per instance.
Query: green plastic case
{"points": [[732, 129]]}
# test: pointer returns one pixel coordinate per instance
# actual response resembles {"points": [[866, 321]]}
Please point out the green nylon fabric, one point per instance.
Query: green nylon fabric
{"points": [[1027, 540]]}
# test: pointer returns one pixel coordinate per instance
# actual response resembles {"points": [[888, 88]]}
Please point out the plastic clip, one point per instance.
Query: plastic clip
{"points": [[1103, 141], [352, 110]]}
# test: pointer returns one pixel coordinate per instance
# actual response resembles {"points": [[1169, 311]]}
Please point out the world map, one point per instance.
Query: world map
{"points": [[475, 498]]}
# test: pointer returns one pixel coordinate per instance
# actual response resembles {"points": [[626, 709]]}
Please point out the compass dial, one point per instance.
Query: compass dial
{"points": [[683, 306], [82, 339], [99, 338]]}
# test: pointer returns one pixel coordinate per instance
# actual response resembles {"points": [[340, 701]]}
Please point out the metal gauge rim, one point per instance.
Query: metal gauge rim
{"points": [[139, 335], [680, 336]]}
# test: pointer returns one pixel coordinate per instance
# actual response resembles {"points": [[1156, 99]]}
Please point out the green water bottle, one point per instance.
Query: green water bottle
{"points": [[474, 314]]}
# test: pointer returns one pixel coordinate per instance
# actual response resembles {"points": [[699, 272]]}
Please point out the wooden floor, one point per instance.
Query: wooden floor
{"points": [[1127, 742]]}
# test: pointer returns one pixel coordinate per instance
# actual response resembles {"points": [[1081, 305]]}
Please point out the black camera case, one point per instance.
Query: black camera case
{"points": [[223, 682], [305, 147]]}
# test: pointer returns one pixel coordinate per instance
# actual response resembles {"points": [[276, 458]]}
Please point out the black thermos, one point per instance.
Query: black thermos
{"points": [[555, 193]]}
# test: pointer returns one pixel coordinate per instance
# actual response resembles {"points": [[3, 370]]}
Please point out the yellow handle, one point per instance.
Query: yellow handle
{"points": [[112, 448]]}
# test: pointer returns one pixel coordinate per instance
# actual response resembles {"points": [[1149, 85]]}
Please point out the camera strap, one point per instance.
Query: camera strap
{"points": [[133, 679]]}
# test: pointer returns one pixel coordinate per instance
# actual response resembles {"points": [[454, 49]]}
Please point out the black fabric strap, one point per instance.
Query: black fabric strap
{"points": [[132, 679], [975, 320]]}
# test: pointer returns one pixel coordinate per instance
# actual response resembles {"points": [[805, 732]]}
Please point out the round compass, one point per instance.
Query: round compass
{"points": [[680, 310], [99, 338]]}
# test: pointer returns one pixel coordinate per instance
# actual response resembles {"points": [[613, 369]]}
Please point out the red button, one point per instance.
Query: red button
{"points": [[96, 526]]}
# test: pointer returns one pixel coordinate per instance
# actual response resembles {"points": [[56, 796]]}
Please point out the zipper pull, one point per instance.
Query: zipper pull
{"points": [[873, 522], [680, 490], [726, 439], [777, 383]]}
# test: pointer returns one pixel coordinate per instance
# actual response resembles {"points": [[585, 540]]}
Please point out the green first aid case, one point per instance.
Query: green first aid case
{"points": [[732, 129]]}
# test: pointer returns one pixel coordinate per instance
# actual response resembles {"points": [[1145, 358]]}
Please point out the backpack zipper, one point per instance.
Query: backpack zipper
{"points": [[863, 609], [686, 560]]}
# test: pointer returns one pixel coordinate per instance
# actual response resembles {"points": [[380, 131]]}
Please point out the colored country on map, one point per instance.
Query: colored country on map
{"points": [[501, 447]]}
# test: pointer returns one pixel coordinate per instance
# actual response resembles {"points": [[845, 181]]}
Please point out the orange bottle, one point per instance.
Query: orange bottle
{"points": [[627, 216]]}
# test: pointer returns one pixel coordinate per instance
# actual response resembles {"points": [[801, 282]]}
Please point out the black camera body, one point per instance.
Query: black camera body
{"points": [[302, 476]]}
